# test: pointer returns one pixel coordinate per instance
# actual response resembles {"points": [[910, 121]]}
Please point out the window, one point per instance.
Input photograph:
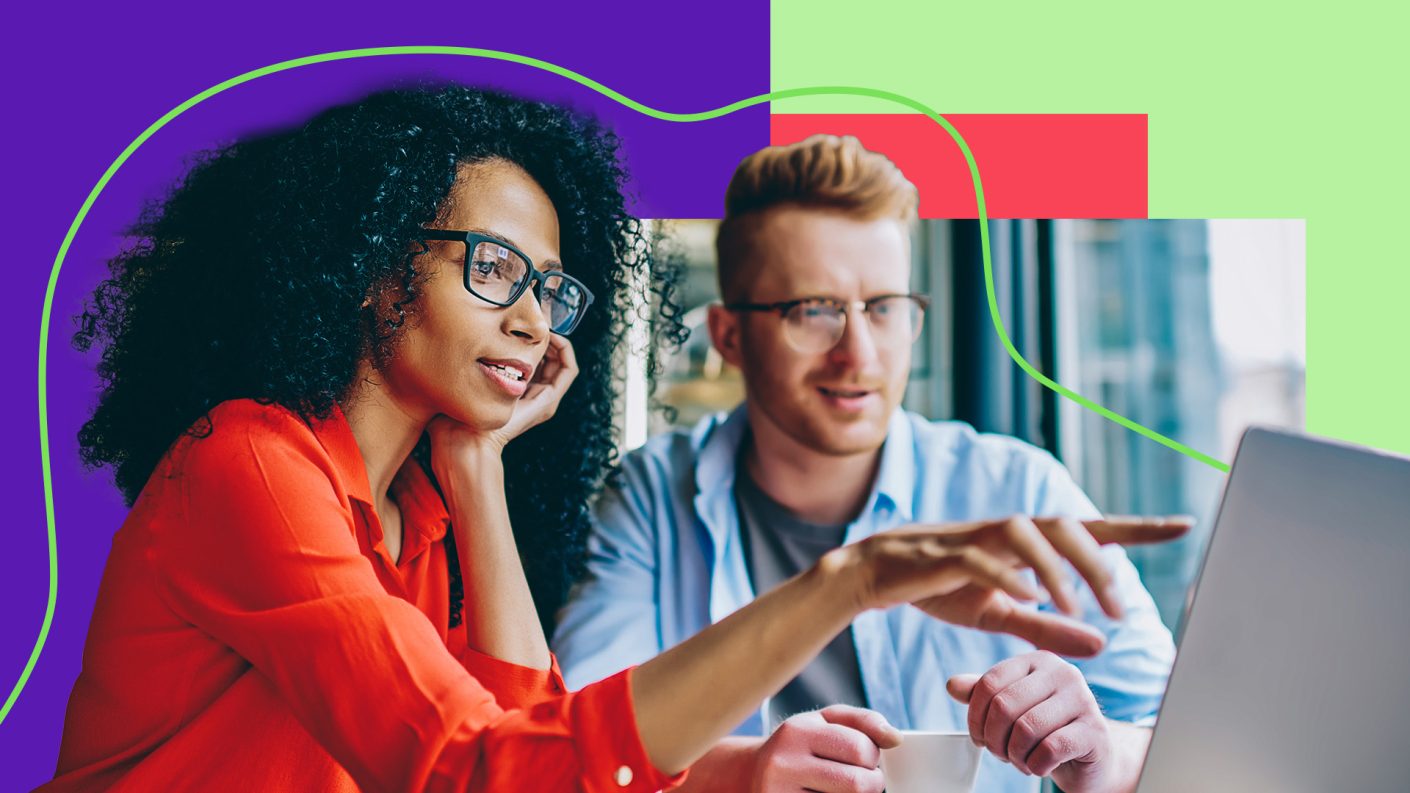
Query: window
{"points": [[1192, 328]]}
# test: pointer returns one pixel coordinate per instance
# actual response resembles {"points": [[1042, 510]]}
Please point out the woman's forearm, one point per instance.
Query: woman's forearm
{"points": [[500, 619], [691, 696]]}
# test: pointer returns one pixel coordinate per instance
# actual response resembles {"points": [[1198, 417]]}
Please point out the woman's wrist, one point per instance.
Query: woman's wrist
{"points": [[468, 462], [841, 577], [472, 482]]}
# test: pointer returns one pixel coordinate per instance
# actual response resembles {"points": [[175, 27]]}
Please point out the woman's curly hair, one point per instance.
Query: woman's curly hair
{"points": [[252, 278]]}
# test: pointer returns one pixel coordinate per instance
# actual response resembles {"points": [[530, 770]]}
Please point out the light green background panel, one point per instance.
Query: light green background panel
{"points": [[1255, 110]]}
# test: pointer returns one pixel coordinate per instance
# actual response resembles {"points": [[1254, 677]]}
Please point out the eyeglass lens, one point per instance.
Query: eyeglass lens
{"points": [[562, 301], [499, 274], [818, 325], [496, 272]]}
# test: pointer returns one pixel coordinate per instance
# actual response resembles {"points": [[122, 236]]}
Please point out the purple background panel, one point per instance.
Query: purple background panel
{"points": [[82, 84]]}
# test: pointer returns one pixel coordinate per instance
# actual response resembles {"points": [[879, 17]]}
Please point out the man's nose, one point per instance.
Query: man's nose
{"points": [[857, 347]]}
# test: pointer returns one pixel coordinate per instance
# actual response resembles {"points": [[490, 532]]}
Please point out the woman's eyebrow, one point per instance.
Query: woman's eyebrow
{"points": [[494, 234], [550, 264]]}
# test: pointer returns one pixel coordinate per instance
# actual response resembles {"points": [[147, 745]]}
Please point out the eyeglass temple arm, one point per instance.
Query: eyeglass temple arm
{"points": [[443, 234], [779, 307]]}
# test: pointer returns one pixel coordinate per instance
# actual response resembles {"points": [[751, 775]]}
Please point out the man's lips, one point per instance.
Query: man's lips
{"points": [[849, 399], [510, 374], [845, 392]]}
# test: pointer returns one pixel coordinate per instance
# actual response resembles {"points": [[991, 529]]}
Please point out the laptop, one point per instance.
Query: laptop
{"points": [[1293, 672]]}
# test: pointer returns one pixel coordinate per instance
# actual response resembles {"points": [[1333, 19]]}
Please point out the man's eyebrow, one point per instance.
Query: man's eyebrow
{"points": [[551, 264]]}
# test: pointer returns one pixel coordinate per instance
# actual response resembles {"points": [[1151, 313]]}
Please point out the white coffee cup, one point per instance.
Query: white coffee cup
{"points": [[931, 762]]}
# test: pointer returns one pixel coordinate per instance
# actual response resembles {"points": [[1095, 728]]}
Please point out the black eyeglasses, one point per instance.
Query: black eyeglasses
{"points": [[498, 273], [817, 324]]}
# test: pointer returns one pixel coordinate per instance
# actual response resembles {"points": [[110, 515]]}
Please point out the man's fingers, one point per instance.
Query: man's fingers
{"points": [[961, 687], [844, 745], [1051, 632], [1008, 705], [1036, 724], [828, 777], [999, 677], [1072, 540], [1066, 743], [869, 723], [1137, 530]]}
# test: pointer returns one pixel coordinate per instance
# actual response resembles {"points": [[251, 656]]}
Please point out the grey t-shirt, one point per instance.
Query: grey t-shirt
{"points": [[777, 546]]}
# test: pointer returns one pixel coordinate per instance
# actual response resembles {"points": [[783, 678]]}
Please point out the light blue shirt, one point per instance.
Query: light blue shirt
{"points": [[665, 562]]}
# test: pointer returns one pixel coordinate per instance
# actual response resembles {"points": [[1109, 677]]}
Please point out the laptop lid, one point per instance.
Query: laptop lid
{"points": [[1293, 672]]}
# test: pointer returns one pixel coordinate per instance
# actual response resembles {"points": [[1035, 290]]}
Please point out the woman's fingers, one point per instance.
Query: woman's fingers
{"points": [[991, 555], [553, 377], [1138, 530], [1072, 540], [1033, 549], [1079, 543], [565, 364], [567, 357], [1052, 632], [990, 571]]}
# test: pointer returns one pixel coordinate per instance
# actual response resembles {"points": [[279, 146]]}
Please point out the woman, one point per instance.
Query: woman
{"points": [[325, 364]]}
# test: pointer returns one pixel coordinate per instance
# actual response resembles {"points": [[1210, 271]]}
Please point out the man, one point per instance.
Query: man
{"points": [[814, 269]]}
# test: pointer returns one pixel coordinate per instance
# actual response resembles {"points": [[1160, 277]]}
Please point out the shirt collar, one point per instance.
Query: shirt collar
{"points": [[719, 442], [337, 439], [896, 475], [421, 505]]}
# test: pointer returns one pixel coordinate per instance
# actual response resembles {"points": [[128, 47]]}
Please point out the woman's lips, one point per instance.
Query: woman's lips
{"points": [[510, 376]]}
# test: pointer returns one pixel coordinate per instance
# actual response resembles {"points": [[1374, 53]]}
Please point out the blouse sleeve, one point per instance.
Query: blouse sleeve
{"points": [[514, 686], [266, 562]]}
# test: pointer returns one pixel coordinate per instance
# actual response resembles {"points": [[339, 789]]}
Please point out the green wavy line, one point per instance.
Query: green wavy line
{"points": [[587, 82]]}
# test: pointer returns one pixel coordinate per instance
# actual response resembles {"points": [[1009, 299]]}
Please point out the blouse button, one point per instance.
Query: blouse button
{"points": [[624, 776]]}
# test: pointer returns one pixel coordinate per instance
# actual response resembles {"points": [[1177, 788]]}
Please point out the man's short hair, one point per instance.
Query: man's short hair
{"points": [[823, 172]]}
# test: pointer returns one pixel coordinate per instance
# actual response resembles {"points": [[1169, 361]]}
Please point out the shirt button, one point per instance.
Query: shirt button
{"points": [[624, 776]]}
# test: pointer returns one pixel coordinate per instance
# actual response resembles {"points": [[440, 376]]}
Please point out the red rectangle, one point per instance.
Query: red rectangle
{"points": [[1031, 166]]}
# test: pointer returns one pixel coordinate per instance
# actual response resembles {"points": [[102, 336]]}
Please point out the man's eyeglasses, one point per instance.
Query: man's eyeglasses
{"points": [[498, 273], [817, 324]]}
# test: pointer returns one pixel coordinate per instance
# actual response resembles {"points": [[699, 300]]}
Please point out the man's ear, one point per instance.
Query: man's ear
{"points": [[725, 334]]}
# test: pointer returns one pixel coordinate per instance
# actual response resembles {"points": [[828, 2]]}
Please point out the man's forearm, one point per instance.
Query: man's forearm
{"points": [[1129, 744], [729, 766]]}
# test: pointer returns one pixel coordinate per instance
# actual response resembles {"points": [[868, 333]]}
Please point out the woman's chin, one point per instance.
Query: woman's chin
{"points": [[484, 417]]}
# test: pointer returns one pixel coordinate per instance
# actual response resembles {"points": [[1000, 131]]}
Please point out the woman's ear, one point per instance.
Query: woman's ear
{"points": [[389, 304], [725, 333]]}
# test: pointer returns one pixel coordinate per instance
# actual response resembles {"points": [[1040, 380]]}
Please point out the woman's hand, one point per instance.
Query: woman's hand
{"points": [[968, 574], [691, 695], [550, 382], [500, 619], [539, 402]]}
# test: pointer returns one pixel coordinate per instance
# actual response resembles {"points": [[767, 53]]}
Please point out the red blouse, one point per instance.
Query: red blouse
{"points": [[252, 633]]}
